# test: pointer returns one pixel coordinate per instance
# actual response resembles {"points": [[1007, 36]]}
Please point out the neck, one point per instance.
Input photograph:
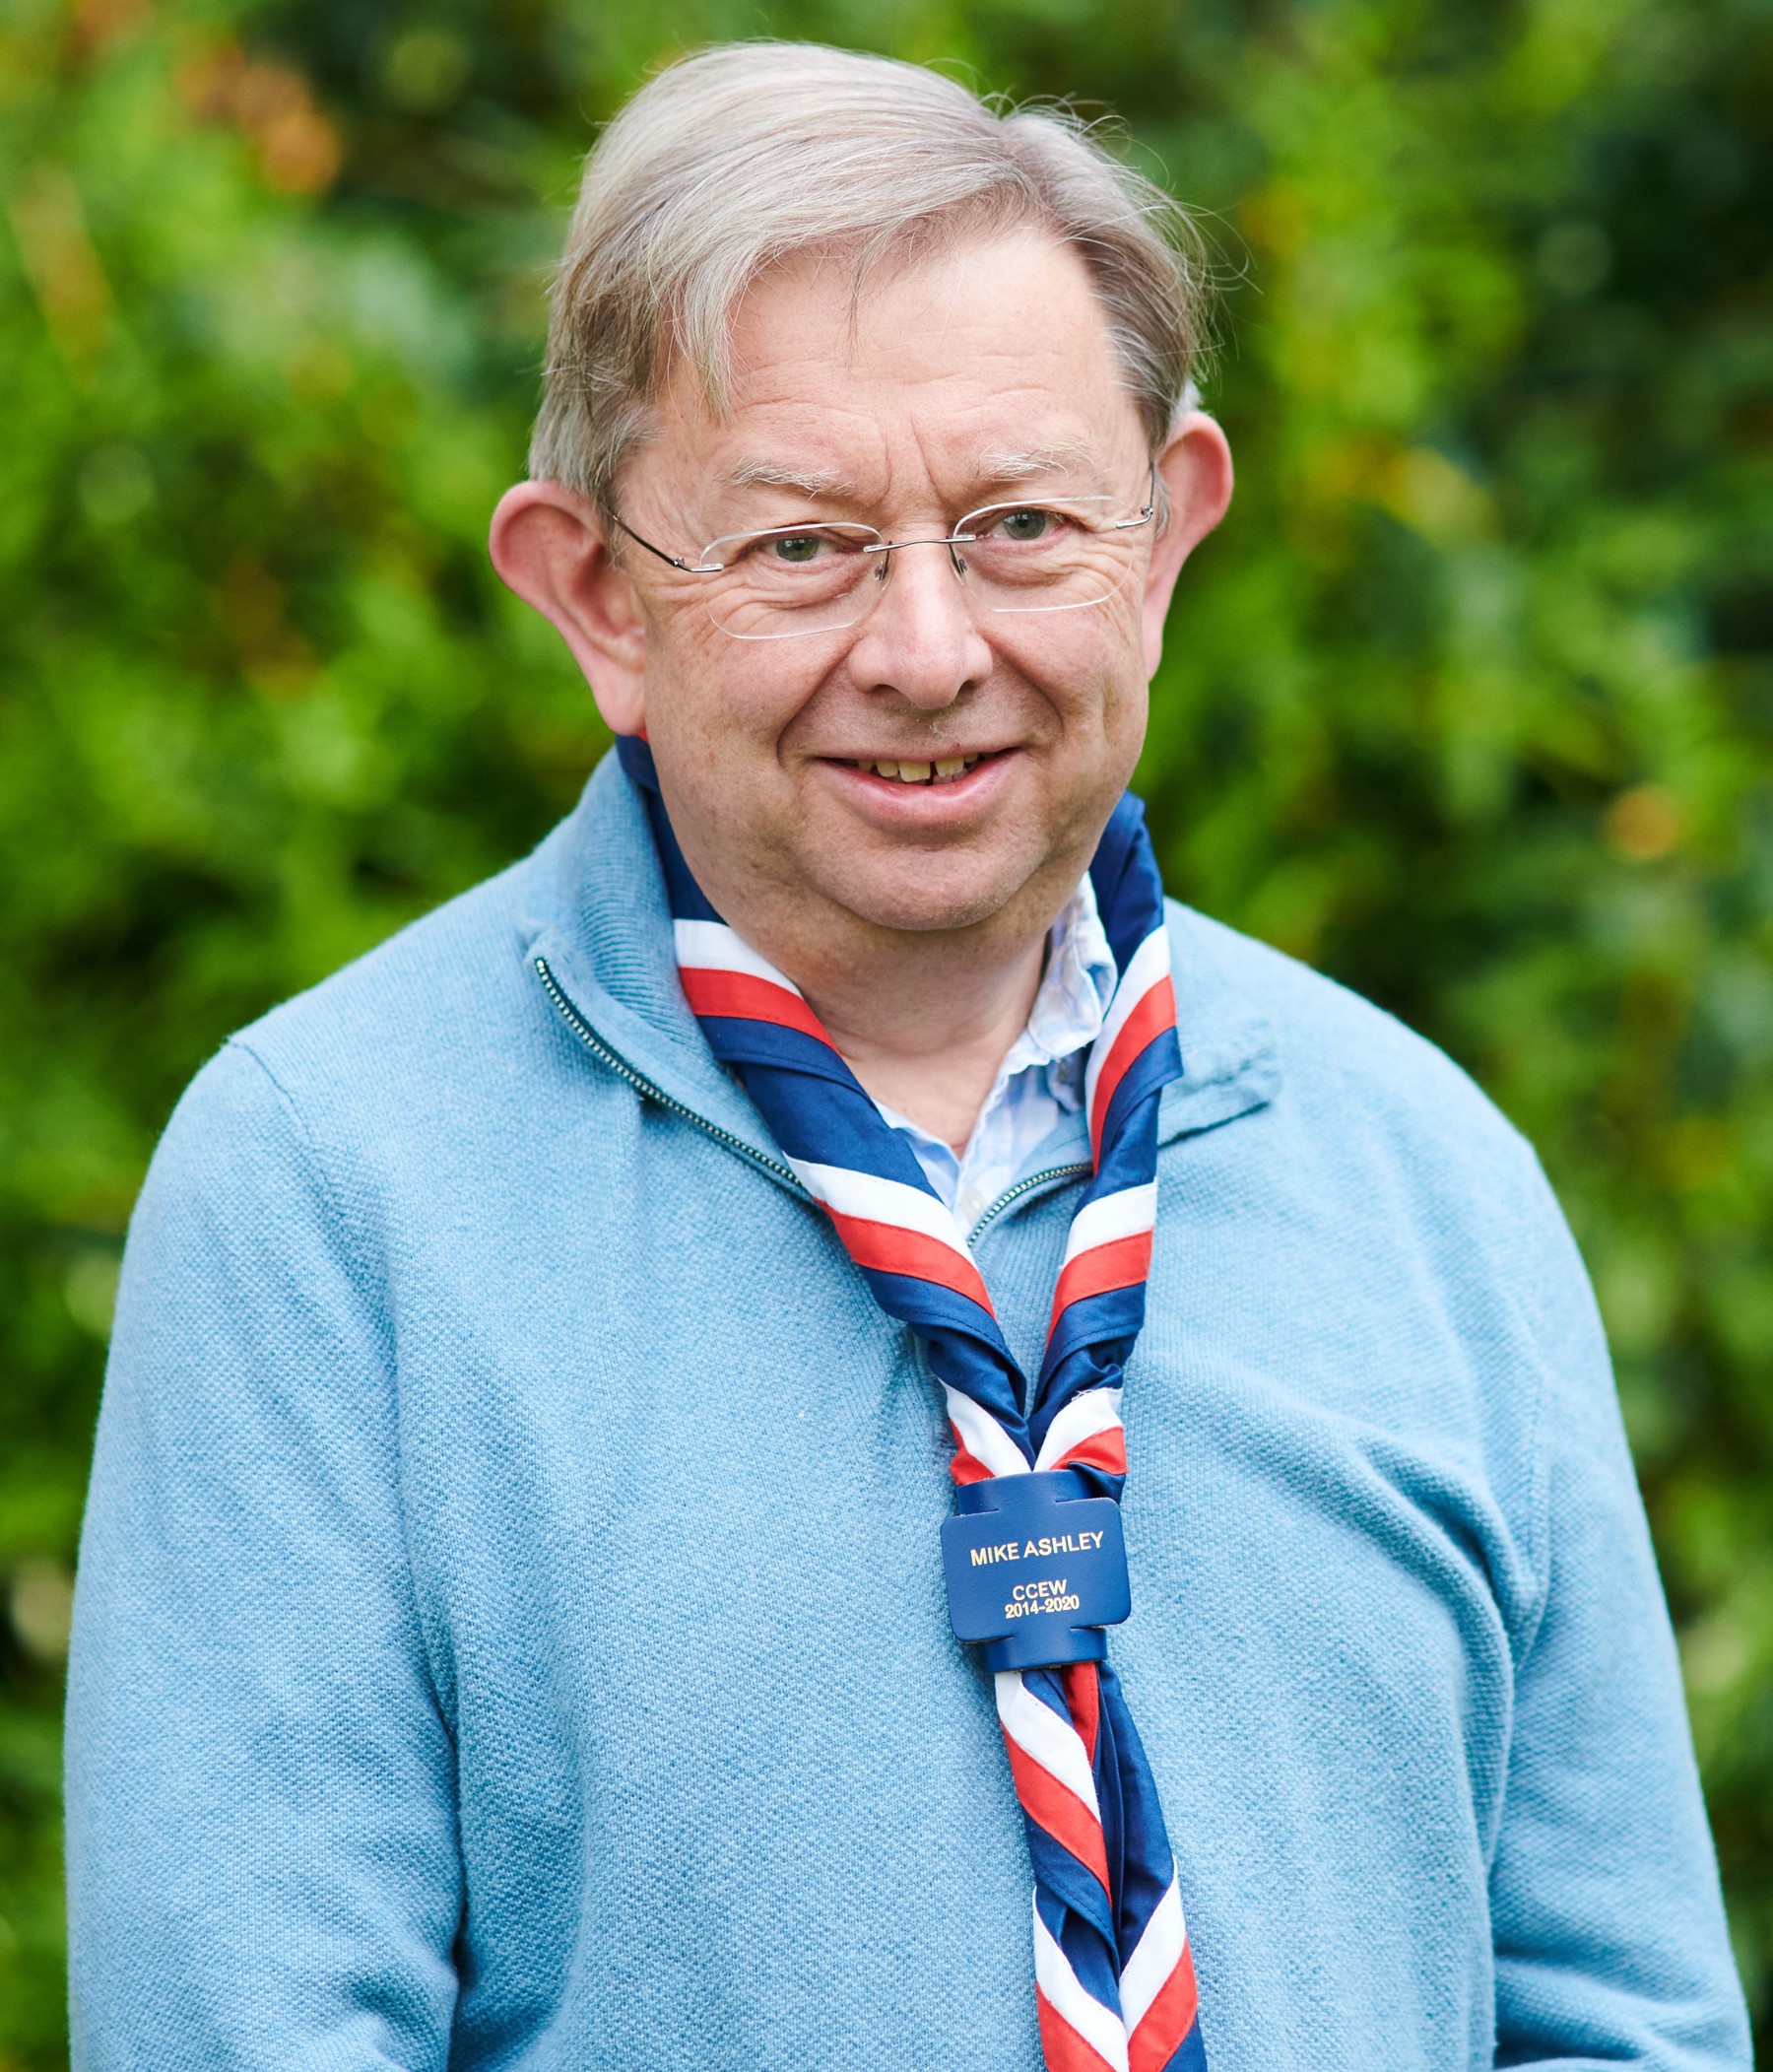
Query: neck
{"points": [[923, 1019], [926, 1036]]}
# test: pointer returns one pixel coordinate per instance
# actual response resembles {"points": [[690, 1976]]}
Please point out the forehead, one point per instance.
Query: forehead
{"points": [[988, 359]]}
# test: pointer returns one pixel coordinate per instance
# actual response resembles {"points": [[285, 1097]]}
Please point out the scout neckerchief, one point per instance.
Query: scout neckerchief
{"points": [[1114, 1977]]}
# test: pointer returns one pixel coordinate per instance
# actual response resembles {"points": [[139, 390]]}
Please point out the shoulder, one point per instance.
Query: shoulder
{"points": [[1344, 1070], [347, 1079], [1373, 1135], [435, 996], [1381, 1192]]}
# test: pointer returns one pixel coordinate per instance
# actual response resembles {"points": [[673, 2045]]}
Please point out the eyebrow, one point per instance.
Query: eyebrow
{"points": [[769, 475], [1020, 464], [1024, 464]]}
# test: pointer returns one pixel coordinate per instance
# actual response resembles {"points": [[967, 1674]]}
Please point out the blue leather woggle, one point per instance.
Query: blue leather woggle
{"points": [[1037, 1567]]}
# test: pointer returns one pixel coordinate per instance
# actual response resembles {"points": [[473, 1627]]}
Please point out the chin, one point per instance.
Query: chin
{"points": [[954, 894]]}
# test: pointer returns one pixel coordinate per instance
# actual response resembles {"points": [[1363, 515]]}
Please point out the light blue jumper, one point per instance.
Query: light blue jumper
{"points": [[510, 1627]]}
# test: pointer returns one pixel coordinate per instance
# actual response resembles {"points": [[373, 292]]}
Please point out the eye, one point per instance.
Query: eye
{"points": [[1023, 527], [797, 548]]}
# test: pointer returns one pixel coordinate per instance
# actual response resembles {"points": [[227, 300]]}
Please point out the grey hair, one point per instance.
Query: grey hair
{"points": [[737, 157]]}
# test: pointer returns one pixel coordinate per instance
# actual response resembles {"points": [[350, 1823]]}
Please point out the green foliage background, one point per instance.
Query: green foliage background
{"points": [[1470, 702]]}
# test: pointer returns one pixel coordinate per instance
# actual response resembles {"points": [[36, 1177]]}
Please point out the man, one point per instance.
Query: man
{"points": [[511, 1625]]}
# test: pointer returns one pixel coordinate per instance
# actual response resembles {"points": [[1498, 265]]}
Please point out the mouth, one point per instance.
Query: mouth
{"points": [[943, 770], [924, 794]]}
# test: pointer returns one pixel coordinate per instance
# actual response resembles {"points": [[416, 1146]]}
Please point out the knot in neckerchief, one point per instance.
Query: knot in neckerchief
{"points": [[1114, 1977]]}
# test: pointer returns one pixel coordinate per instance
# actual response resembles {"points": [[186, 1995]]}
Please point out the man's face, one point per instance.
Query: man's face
{"points": [[980, 376]]}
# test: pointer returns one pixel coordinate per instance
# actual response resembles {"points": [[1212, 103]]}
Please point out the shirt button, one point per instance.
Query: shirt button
{"points": [[972, 1205]]}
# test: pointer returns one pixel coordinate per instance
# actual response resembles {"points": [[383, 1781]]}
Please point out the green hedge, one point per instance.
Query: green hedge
{"points": [[1470, 702]]}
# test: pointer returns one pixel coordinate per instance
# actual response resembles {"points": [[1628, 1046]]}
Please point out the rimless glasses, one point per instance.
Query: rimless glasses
{"points": [[1053, 554]]}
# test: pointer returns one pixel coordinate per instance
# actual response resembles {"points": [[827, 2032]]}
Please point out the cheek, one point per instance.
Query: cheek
{"points": [[733, 698], [1087, 666]]}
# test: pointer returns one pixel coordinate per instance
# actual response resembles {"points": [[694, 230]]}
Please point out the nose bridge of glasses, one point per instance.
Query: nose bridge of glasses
{"points": [[908, 585], [931, 608], [886, 549], [950, 540]]}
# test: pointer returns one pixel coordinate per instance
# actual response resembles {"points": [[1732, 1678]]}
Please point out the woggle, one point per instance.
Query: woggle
{"points": [[1037, 1567]]}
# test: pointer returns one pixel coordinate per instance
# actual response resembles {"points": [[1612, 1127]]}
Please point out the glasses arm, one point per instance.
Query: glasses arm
{"points": [[1150, 511], [674, 561]]}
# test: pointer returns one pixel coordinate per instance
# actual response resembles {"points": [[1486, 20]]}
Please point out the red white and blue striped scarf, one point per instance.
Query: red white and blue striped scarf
{"points": [[1114, 1977]]}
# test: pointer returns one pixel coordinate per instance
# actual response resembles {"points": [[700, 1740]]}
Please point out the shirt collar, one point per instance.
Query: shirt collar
{"points": [[1075, 989], [1066, 1018]]}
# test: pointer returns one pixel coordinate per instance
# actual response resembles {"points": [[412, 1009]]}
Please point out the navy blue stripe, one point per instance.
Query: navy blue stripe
{"points": [[1089, 1350], [1189, 2055], [1077, 1891], [813, 1112], [736, 1039], [1124, 880]]}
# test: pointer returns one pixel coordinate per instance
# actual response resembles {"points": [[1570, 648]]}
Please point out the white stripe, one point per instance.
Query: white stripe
{"points": [[1149, 967], [1159, 1951], [711, 946], [983, 1436], [1100, 2026], [1095, 1410], [1124, 1214], [1038, 1731], [875, 1200]]}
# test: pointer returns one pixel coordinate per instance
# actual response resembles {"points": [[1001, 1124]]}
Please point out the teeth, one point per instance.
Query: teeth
{"points": [[920, 773]]}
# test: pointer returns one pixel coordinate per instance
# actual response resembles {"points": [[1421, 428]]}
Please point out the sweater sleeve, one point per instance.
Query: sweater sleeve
{"points": [[261, 1834], [1610, 1944]]}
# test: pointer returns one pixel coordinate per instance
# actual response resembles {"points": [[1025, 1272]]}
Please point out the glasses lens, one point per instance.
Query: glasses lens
{"points": [[792, 579], [1050, 556]]}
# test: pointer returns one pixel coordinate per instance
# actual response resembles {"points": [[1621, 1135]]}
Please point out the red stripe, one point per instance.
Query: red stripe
{"points": [[1156, 1013], [1101, 1450], [1063, 2049], [1168, 2020], [1065, 1817], [889, 1248], [1123, 1262], [1084, 1701], [963, 1466], [746, 998]]}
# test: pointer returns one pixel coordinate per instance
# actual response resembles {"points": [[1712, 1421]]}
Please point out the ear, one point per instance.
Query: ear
{"points": [[548, 545], [1195, 469]]}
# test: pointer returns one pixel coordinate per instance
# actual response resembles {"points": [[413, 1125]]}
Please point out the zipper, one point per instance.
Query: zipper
{"points": [[1021, 1188], [620, 1065]]}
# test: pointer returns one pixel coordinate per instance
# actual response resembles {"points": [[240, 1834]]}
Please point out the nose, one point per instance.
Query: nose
{"points": [[921, 639]]}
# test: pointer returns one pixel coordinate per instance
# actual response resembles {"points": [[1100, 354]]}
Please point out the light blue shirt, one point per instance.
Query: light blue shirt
{"points": [[1042, 1079], [509, 1630]]}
